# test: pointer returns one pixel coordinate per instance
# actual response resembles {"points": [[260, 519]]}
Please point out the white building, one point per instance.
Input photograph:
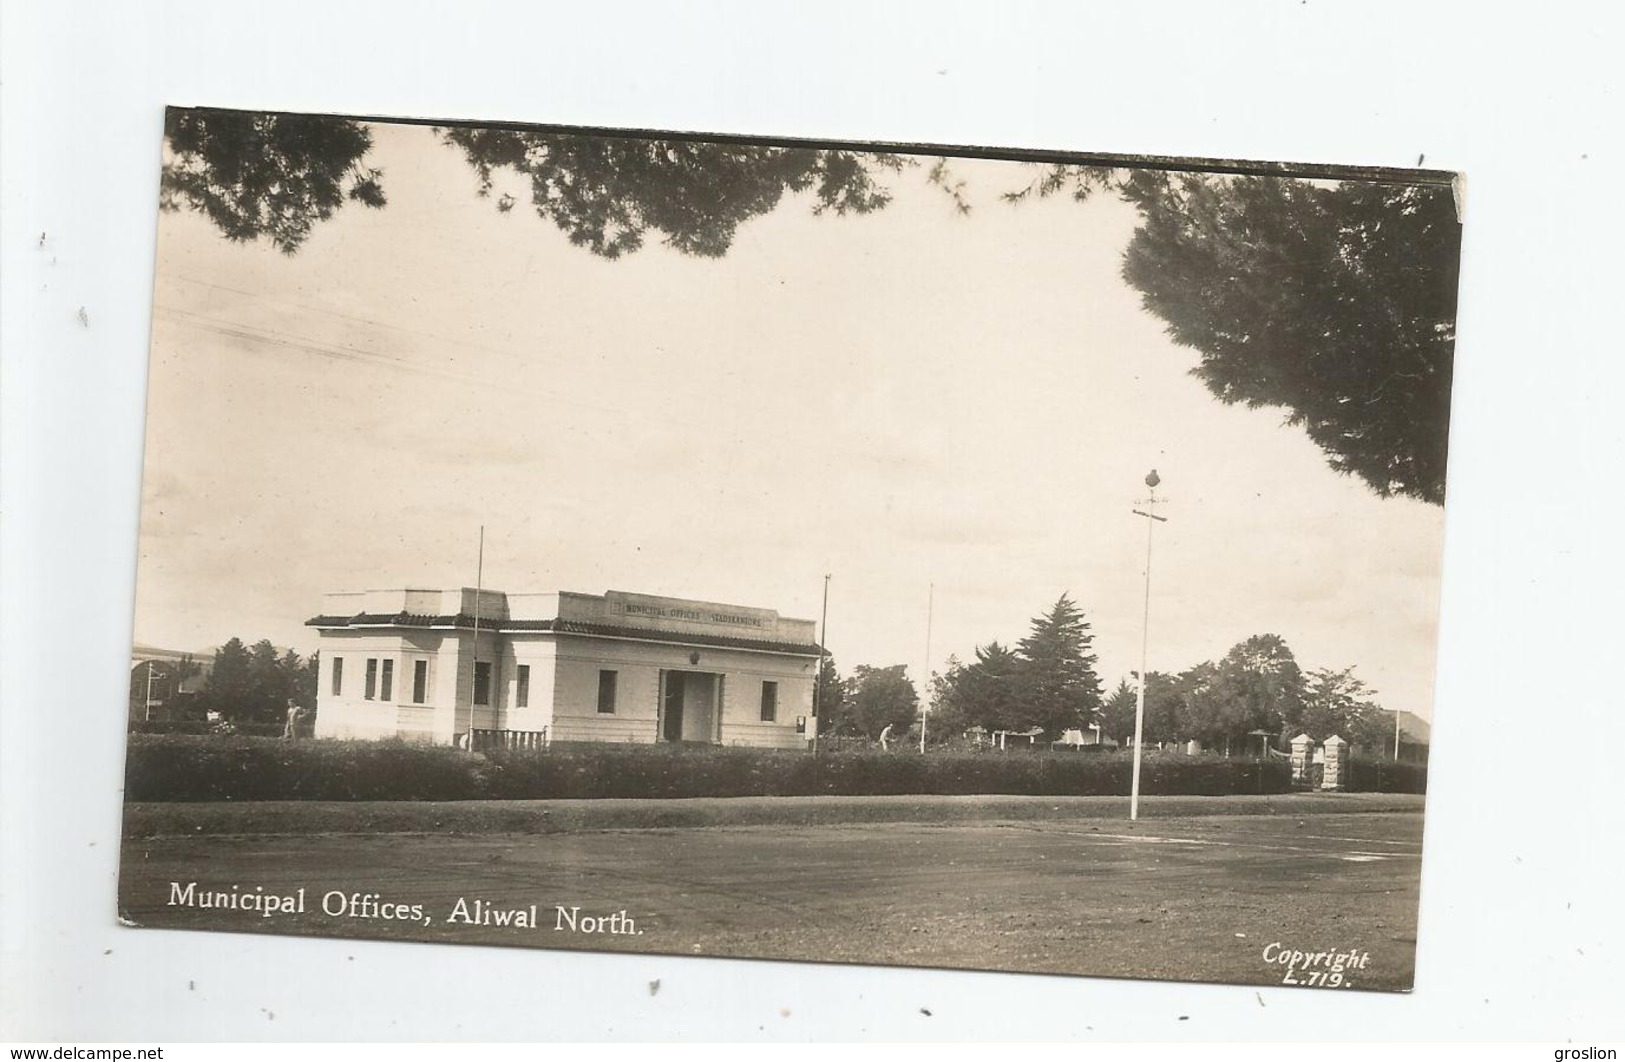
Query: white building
{"points": [[572, 667]]}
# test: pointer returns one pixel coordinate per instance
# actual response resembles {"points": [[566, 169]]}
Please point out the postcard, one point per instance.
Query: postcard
{"points": [[885, 554]]}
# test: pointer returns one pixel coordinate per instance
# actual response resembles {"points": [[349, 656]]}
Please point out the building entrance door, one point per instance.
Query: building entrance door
{"points": [[671, 717], [690, 706]]}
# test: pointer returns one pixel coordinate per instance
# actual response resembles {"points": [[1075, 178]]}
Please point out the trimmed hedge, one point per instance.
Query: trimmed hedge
{"points": [[182, 767], [1386, 776], [201, 726]]}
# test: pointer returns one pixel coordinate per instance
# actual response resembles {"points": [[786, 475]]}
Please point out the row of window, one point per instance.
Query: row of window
{"points": [[379, 684], [607, 681]]}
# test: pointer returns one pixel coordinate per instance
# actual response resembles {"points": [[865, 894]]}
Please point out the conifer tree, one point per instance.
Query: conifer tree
{"points": [[1058, 686]]}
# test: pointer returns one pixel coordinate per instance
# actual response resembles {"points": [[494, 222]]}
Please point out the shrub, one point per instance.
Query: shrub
{"points": [[200, 726], [236, 767], [183, 767], [1386, 776]]}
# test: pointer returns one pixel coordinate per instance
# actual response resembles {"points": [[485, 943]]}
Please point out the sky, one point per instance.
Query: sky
{"points": [[951, 416]]}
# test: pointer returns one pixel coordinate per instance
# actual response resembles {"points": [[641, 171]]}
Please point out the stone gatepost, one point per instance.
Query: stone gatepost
{"points": [[1337, 761], [1300, 756]]}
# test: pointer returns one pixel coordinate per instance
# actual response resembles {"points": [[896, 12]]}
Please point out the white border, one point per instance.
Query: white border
{"points": [[1522, 934]]}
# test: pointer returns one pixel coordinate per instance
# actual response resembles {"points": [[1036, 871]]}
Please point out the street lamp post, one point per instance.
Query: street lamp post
{"points": [[1151, 521]]}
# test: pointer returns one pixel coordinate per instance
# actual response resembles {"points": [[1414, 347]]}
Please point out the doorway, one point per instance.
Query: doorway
{"points": [[689, 709], [671, 714]]}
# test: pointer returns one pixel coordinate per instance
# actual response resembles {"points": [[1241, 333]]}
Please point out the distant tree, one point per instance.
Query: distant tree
{"points": [[986, 692], [1058, 688], [1167, 711], [302, 674], [1257, 686], [946, 711], [272, 682], [228, 689], [254, 685], [1117, 712], [829, 697], [1336, 702], [1166, 705], [879, 697], [1372, 731]]}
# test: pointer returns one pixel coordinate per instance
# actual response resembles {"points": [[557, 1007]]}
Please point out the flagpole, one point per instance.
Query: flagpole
{"points": [[818, 683], [925, 678], [474, 672]]}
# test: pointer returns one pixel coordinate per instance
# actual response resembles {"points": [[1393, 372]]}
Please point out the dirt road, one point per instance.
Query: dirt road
{"points": [[1188, 898]]}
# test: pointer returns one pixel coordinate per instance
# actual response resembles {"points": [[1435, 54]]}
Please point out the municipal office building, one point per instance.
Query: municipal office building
{"points": [[427, 665]]}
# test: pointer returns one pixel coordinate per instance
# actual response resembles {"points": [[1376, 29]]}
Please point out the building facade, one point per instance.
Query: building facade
{"points": [[428, 665]]}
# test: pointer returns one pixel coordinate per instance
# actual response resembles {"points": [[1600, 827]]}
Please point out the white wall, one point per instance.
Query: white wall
{"points": [[351, 714], [638, 666]]}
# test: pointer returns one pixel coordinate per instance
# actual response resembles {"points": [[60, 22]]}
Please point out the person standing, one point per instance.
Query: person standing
{"points": [[290, 728]]}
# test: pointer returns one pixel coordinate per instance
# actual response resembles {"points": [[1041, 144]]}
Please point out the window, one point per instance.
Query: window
{"points": [[606, 691], [338, 675], [521, 693], [370, 689], [482, 682], [420, 680], [386, 685], [770, 701]]}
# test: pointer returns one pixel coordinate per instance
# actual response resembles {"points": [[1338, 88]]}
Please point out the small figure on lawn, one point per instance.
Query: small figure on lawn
{"points": [[885, 739], [296, 718]]}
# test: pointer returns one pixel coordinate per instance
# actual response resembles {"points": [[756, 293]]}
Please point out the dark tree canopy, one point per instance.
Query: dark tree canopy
{"points": [[1337, 304], [829, 696], [606, 193], [984, 693], [878, 697], [1257, 686], [1337, 702], [1057, 684], [270, 176], [1117, 712], [1335, 301], [254, 684], [274, 176]]}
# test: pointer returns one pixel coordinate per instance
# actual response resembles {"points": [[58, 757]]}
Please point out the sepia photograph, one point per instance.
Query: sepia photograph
{"points": [[699, 545]]}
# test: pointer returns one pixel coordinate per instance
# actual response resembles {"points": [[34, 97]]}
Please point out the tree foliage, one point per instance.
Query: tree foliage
{"points": [[1057, 687], [829, 696], [270, 176], [1337, 304], [1337, 702], [1048, 681], [878, 697], [1257, 686], [275, 176], [607, 193], [1334, 301], [254, 684], [1117, 712], [984, 693]]}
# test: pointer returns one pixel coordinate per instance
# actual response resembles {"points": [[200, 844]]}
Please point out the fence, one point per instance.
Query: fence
{"points": [[482, 740]]}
